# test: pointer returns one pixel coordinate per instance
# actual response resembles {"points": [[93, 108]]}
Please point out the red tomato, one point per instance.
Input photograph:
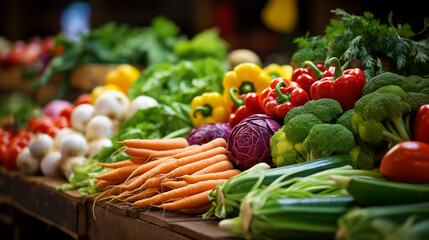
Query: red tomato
{"points": [[66, 112], [407, 162], [40, 124], [11, 155], [421, 124], [62, 122], [3, 150], [83, 98]]}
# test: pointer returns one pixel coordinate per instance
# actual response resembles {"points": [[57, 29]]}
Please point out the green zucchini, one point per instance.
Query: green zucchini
{"points": [[370, 191], [290, 218], [228, 195]]}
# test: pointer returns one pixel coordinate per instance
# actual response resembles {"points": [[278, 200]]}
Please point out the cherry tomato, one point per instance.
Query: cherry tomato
{"points": [[83, 98], [407, 162], [3, 150], [66, 112], [62, 122], [11, 155]]}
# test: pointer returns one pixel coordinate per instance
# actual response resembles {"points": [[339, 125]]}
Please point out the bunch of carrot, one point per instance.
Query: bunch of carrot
{"points": [[168, 174]]}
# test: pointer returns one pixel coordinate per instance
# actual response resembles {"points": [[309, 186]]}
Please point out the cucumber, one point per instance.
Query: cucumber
{"points": [[370, 191], [228, 195]]}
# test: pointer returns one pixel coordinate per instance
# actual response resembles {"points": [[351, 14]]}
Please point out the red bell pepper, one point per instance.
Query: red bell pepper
{"points": [[345, 87], [244, 107], [283, 98], [421, 124], [307, 75], [272, 86]]}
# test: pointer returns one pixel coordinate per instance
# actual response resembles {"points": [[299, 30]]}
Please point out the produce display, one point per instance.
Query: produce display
{"points": [[324, 150]]}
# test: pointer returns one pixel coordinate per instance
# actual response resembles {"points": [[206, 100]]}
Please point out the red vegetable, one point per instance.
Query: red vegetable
{"points": [[244, 107], [407, 162], [83, 98], [307, 75], [421, 124], [346, 87], [282, 98]]}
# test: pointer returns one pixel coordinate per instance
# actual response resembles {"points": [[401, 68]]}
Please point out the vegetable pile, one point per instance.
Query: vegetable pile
{"points": [[323, 150]]}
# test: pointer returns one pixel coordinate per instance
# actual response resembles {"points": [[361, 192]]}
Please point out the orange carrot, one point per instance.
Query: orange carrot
{"points": [[118, 175], [194, 201], [102, 184], [197, 210], [149, 154], [157, 144], [211, 176], [171, 165], [139, 160], [172, 184], [147, 193], [217, 167], [196, 166], [179, 192], [148, 166], [117, 164], [153, 182]]}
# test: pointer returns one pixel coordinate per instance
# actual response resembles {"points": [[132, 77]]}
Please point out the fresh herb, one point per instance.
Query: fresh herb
{"points": [[310, 48]]}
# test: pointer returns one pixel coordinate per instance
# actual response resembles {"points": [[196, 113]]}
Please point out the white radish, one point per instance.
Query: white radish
{"points": [[40, 145], [73, 145], [50, 165], [140, 102], [112, 104], [99, 126], [61, 134], [81, 115], [68, 165], [96, 146], [27, 163]]}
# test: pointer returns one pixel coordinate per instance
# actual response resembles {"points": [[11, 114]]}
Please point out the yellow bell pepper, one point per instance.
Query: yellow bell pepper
{"points": [[97, 91], [280, 15], [284, 71], [246, 77], [208, 108], [123, 76]]}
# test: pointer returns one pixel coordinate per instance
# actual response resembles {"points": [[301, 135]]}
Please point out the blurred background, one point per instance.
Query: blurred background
{"points": [[239, 21]]}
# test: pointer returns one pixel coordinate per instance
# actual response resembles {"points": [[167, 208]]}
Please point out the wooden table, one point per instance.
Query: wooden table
{"points": [[78, 217]]}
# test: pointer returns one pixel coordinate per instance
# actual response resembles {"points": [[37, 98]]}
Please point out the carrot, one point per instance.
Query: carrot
{"points": [[194, 201], [157, 144], [211, 176], [197, 210], [172, 184], [179, 192], [171, 165], [153, 182], [117, 164], [148, 166], [147, 193], [217, 167], [102, 184], [118, 175], [196, 166], [139, 160]]}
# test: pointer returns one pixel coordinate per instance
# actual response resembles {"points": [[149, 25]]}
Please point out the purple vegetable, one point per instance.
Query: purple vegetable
{"points": [[249, 142], [208, 132]]}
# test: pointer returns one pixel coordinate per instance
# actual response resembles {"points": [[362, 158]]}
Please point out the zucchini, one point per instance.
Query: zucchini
{"points": [[289, 218], [227, 196], [370, 191]]}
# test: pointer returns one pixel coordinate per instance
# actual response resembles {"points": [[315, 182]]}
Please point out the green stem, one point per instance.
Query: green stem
{"points": [[237, 102], [205, 110], [246, 87], [313, 68], [401, 129], [281, 98], [334, 62]]}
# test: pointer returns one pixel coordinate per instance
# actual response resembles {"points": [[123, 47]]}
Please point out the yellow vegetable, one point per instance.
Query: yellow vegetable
{"points": [[123, 76], [246, 77], [280, 15], [284, 71], [102, 88], [208, 108]]}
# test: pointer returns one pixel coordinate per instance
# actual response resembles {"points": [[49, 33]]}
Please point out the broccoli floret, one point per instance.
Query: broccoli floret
{"points": [[391, 89], [421, 82], [328, 139], [326, 109], [365, 155], [346, 119], [298, 127], [282, 150], [388, 78], [415, 100], [387, 112]]}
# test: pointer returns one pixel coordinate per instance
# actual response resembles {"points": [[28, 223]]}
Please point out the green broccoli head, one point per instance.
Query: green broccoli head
{"points": [[415, 100], [328, 139], [421, 82], [391, 89], [298, 127], [346, 119], [386, 79], [371, 131], [326, 109], [283, 152], [381, 106]]}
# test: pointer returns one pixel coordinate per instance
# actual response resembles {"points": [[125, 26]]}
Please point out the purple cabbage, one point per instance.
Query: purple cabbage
{"points": [[208, 132], [249, 142]]}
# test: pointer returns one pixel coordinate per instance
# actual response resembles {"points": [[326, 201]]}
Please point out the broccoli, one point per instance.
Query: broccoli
{"points": [[346, 119], [328, 139], [326, 109], [388, 78], [391, 89], [298, 127], [365, 155], [380, 117], [283, 151]]}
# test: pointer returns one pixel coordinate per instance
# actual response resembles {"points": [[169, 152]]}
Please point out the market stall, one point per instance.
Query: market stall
{"points": [[143, 132]]}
